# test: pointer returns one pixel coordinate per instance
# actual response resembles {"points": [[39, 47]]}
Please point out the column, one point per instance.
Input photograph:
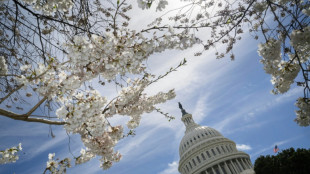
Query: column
{"points": [[220, 169], [227, 168], [213, 170], [235, 167], [249, 163], [244, 162], [238, 163]]}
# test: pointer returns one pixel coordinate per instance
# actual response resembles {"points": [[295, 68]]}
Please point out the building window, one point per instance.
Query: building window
{"points": [[198, 159], [190, 165], [202, 135], [206, 133], [218, 150], [187, 168], [208, 154], [227, 149], [231, 148], [223, 149], [187, 143], [198, 136], [203, 156], [194, 138], [190, 140], [213, 152], [194, 162]]}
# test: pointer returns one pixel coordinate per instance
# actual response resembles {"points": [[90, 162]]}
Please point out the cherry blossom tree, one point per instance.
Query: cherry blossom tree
{"points": [[53, 49]]}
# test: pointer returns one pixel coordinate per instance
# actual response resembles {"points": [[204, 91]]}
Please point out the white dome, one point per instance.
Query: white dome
{"points": [[205, 150], [197, 135]]}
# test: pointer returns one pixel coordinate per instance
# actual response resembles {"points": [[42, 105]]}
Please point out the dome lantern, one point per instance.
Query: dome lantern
{"points": [[187, 119]]}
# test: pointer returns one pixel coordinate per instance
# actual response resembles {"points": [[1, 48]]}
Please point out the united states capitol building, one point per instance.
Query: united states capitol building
{"points": [[204, 150]]}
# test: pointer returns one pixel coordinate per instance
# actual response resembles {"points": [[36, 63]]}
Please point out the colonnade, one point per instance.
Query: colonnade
{"points": [[232, 166]]}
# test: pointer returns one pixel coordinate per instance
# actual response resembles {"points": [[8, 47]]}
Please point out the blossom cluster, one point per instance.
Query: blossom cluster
{"points": [[112, 54], [300, 40], [283, 73], [86, 117], [86, 112], [107, 56], [306, 11], [3, 66], [131, 101], [49, 81], [145, 4], [10, 155], [55, 166], [50, 6], [303, 114]]}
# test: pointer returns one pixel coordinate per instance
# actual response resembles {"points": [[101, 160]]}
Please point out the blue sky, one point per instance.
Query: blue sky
{"points": [[231, 96]]}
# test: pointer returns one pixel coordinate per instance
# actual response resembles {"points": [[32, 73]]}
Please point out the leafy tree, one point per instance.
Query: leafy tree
{"points": [[51, 50], [287, 161]]}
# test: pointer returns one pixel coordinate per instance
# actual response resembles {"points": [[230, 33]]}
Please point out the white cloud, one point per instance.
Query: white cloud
{"points": [[171, 169], [243, 147]]}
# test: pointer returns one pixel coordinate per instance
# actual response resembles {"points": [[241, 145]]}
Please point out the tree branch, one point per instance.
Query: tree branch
{"points": [[24, 117], [35, 107], [16, 89]]}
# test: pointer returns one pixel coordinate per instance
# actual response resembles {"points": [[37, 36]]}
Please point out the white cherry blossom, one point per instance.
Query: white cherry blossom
{"points": [[3, 66], [10, 155]]}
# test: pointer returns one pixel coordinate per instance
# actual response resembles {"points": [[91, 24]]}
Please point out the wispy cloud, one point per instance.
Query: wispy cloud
{"points": [[249, 110], [171, 169], [243, 147]]}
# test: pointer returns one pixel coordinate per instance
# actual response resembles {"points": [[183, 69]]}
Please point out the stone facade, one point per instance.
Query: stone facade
{"points": [[203, 150]]}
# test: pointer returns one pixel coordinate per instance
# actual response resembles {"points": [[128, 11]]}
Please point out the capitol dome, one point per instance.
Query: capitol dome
{"points": [[204, 150]]}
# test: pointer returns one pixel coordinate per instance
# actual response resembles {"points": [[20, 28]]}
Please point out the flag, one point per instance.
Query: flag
{"points": [[276, 149]]}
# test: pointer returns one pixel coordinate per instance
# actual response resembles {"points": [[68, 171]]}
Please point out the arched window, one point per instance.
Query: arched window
{"points": [[213, 152], [203, 156], [227, 149], [208, 154], [223, 149], [194, 162], [218, 150], [198, 159], [190, 165]]}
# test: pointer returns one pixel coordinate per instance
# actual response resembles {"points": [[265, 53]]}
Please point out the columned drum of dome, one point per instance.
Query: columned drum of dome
{"points": [[204, 150]]}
